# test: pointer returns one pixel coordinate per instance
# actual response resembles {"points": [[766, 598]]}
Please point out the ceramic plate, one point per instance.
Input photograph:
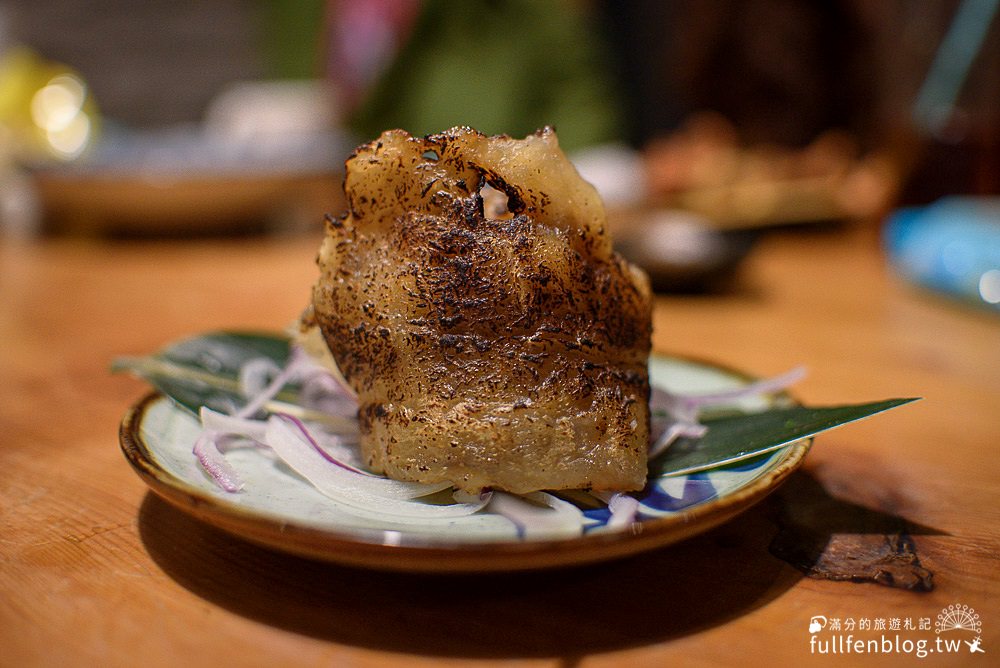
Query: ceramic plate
{"points": [[279, 509]]}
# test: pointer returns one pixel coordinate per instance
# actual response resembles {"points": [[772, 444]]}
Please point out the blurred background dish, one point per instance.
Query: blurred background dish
{"points": [[747, 116], [267, 156], [197, 118], [683, 251]]}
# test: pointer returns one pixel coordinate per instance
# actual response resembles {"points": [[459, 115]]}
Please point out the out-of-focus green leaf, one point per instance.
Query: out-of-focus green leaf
{"points": [[204, 370]]}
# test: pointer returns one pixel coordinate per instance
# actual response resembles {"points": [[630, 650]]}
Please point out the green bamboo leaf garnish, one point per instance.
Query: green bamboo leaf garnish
{"points": [[204, 371], [733, 439]]}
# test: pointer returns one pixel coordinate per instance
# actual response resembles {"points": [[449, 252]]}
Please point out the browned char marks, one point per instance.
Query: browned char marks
{"points": [[504, 352]]}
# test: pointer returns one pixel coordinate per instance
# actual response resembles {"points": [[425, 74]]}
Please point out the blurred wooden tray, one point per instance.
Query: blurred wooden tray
{"points": [[95, 203]]}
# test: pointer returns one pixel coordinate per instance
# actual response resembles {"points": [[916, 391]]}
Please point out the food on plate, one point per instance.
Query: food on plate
{"points": [[499, 347]]}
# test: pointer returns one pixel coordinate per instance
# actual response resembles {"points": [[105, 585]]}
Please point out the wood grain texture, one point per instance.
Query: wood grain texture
{"points": [[94, 570]]}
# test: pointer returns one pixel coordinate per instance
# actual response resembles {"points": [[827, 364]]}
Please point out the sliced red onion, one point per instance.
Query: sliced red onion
{"points": [[331, 381], [624, 508], [230, 424], [344, 447], [368, 494], [256, 374], [538, 514], [671, 407], [229, 442], [311, 440], [683, 410], [322, 391], [261, 380], [672, 433], [296, 362], [688, 403], [212, 460]]}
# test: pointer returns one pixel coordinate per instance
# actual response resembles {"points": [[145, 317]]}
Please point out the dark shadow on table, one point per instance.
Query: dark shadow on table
{"points": [[671, 592], [835, 523], [572, 612]]}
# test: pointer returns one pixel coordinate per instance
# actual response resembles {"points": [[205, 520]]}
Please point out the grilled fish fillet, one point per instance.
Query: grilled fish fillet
{"points": [[504, 352]]}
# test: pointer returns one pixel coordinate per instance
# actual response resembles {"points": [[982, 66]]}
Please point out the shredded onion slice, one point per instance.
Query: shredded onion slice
{"points": [[325, 390], [322, 392], [221, 423], [206, 450], [256, 374], [688, 404], [227, 442], [373, 495], [304, 431], [624, 508], [683, 410], [674, 431], [547, 516], [297, 361], [254, 384]]}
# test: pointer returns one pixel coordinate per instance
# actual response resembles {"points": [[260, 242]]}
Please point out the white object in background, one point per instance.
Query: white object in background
{"points": [[615, 170], [255, 110]]}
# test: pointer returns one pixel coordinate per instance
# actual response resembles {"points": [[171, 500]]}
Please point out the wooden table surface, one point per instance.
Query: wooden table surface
{"points": [[95, 570]]}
